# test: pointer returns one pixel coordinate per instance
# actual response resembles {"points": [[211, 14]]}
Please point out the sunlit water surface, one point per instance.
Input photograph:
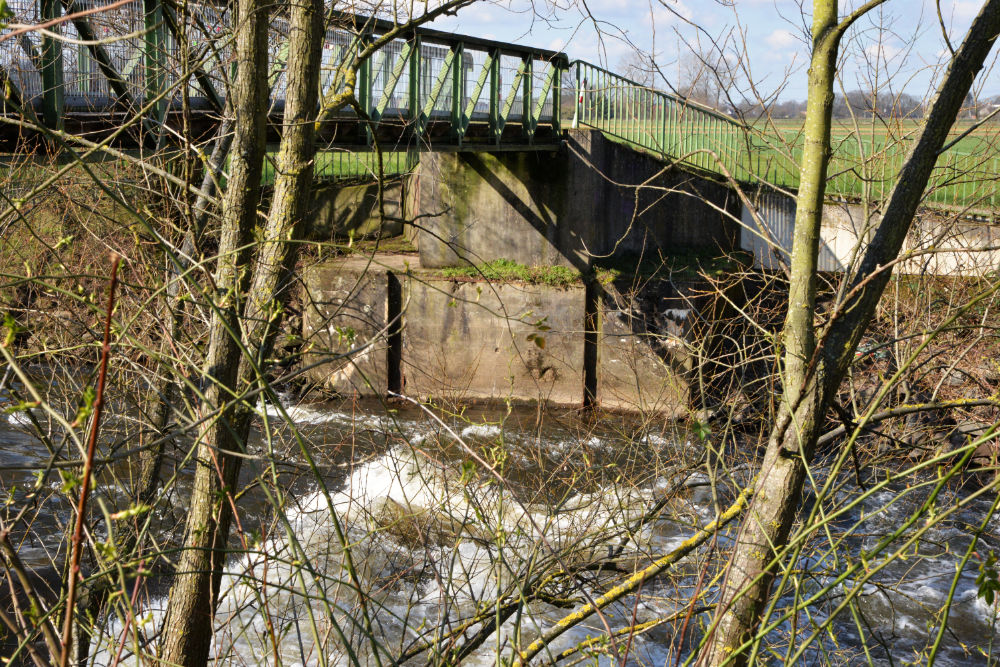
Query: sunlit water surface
{"points": [[445, 515]]}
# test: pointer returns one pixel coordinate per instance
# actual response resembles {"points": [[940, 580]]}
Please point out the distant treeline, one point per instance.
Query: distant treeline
{"points": [[865, 104]]}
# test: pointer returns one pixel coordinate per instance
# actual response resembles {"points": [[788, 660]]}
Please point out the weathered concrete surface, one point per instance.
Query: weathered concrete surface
{"points": [[592, 197], [346, 309], [472, 340], [351, 210], [632, 347], [937, 244], [645, 360]]}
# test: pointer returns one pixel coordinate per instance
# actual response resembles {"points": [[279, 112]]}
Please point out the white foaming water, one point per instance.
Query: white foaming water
{"points": [[19, 419], [425, 547], [481, 431], [434, 543]]}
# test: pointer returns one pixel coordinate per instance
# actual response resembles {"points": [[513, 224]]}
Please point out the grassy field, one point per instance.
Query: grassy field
{"points": [[865, 158]]}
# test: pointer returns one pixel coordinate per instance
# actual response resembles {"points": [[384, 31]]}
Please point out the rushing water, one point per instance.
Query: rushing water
{"points": [[455, 517]]}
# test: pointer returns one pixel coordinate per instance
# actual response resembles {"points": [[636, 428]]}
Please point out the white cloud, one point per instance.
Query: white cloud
{"points": [[782, 39], [884, 52]]}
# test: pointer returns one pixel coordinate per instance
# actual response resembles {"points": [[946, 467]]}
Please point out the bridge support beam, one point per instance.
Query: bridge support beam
{"points": [[590, 198]]}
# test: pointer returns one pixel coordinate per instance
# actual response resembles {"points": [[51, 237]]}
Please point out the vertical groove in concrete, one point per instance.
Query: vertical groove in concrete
{"points": [[592, 323], [394, 318]]}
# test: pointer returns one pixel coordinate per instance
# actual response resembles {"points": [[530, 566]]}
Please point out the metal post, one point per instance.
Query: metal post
{"points": [[557, 97], [414, 93], [53, 93], [577, 99], [495, 129], [527, 122], [457, 90], [364, 89], [154, 61]]}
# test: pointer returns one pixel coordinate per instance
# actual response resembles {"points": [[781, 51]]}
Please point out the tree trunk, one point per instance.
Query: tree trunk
{"points": [[811, 377], [292, 198], [190, 615], [780, 480]]}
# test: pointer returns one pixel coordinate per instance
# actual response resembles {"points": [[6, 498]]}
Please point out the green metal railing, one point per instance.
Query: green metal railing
{"points": [[421, 78], [696, 136], [425, 88], [662, 123]]}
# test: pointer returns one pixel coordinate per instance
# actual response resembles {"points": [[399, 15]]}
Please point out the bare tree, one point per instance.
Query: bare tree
{"points": [[816, 361]]}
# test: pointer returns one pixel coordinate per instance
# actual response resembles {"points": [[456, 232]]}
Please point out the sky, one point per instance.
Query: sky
{"points": [[901, 42]]}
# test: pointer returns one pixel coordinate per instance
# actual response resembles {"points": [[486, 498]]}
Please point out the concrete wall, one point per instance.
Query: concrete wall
{"points": [[351, 210], [643, 367], [959, 247], [591, 197], [473, 340], [347, 309]]}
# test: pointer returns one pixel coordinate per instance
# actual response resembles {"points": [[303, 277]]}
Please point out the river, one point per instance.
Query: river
{"points": [[456, 519]]}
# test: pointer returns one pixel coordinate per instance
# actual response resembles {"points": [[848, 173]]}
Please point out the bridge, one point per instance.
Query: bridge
{"points": [[100, 65], [425, 89]]}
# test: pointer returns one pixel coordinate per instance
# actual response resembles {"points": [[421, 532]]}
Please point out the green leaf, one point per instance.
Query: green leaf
{"points": [[9, 323], [70, 480], [701, 430], [5, 13], [86, 408]]}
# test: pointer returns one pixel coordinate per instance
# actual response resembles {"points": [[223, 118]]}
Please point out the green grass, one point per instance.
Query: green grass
{"points": [[505, 270], [349, 165], [865, 160], [682, 266]]}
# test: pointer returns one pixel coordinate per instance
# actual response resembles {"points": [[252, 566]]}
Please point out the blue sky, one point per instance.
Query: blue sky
{"points": [[901, 42]]}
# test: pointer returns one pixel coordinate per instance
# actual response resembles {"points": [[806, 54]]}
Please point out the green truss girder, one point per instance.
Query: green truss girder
{"points": [[477, 93], [200, 75], [390, 85], [504, 110], [461, 96], [328, 76], [278, 66], [457, 91], [51, 70], [536, 113], [154, 58], [439, 83]]}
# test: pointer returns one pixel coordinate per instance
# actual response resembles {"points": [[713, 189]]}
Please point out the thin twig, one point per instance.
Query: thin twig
{"points": [[74, 570]]}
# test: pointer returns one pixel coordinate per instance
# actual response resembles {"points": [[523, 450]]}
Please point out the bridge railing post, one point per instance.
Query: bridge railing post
{"points": [[154, 60], [495, 127], [458, 93], [415, 86], [577, 99], [527, 108], [53, 88], [364, 87], [556, 121]]}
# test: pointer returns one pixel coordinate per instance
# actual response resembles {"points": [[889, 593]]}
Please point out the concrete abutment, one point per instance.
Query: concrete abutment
{"points": [[592, 198], [375, 327], [397, 324]]}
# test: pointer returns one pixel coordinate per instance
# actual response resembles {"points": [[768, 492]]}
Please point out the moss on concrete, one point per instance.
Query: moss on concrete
{"points": [[505, 270]]}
